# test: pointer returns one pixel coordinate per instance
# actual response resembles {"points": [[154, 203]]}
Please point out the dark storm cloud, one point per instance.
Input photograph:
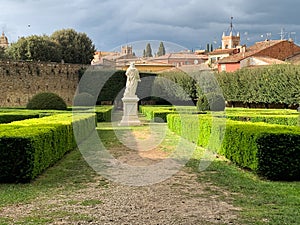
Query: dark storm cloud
{"points": [[110, 23]]}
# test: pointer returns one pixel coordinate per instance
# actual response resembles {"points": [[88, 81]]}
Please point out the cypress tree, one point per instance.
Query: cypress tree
{"points": [[161, 49], [148, 51]]}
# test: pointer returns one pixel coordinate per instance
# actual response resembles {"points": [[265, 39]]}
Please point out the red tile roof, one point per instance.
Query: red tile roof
{"points": [[252, 50], [222, 51]]}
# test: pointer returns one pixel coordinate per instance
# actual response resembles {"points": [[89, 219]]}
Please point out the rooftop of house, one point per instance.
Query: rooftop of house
{"points": [[269, 60], [252, 50], [220, 51], [180, 56]]}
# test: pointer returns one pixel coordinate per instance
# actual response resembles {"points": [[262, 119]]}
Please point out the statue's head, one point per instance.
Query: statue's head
{"points": [[132, 64]]}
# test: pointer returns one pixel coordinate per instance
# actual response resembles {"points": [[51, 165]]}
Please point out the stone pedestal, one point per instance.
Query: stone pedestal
{"points": [[130, 112]]}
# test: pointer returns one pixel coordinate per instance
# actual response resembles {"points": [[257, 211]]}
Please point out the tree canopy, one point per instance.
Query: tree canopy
{"points": [[75, 47], [67, 45], [35, 47]]}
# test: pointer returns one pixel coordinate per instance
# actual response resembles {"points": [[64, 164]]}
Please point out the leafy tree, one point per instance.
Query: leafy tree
{"points": [[35, 47], [75, 47], [67, 45], [161, 49], [2, 53], [19, 49], [148, 51]]}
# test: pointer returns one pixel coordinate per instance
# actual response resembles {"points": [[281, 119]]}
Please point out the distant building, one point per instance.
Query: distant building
{"points": [[261, 53], [231, 44], [180, 59], [3, 41], [126, 50], [125, 56]]}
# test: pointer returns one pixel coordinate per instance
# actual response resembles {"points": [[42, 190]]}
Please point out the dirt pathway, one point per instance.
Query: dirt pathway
{"points": [[180, 200]]}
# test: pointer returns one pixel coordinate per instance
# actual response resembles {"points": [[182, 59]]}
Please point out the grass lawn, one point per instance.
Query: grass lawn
{"points": [[261, 201]]}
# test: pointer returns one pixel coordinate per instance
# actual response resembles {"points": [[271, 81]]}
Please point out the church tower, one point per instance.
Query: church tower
{"points": [[230, 40], [3, 41], [126, 50]]}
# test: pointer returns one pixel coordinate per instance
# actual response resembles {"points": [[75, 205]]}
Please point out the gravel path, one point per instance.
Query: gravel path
{"points": [[180, 200]]}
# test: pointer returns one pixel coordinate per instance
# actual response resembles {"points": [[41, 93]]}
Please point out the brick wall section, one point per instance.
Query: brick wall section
{"points": [[280, 51], [21, 80]]}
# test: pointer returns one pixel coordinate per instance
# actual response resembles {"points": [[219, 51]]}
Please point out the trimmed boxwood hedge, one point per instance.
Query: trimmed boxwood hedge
{"points": [[29, 147], [273, 151], [103, 113], [159, 113], [12, 116], [290, 120]]}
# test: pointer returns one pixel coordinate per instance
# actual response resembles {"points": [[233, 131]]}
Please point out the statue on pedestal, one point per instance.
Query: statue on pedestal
{"points": [[133, 78], [130, 99]]}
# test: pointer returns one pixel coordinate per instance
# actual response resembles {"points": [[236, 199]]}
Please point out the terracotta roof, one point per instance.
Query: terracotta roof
{"points": [[252, 50], [269, 60], [180, 56], [221, 51]]}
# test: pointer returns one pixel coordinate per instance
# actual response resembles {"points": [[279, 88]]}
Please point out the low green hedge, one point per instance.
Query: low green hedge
{"points": [[9, 117], [103, 113], [30, 146], [159, 113], [273, 151], [290, 120]]}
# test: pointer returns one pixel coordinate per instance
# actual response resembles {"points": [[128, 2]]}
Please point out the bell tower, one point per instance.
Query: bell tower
{"points": [[230, 40], [3, 41]]}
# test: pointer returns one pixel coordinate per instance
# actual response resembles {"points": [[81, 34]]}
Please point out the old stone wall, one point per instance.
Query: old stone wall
{"points": [[21, 80]]}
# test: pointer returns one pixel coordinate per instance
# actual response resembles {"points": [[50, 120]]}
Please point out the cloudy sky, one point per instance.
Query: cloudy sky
{"points": [[190, 23]]}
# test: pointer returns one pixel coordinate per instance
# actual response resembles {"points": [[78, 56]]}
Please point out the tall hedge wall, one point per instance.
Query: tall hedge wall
{"points": [[274, 84]]}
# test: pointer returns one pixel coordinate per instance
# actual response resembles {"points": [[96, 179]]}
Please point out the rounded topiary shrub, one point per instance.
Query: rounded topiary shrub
{"points": [[47, 101], [202, 103], [216, 102], [84, 99]]}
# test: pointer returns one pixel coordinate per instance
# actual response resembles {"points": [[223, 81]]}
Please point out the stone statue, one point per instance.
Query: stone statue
{"points": [[133, 78]]}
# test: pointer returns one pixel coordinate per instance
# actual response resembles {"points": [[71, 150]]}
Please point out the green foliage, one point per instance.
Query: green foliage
{"points": [[148, 51], [202, 103], [103, 113], [175, 86], [75, 47], [211, 102], [113, 86], [270, 150], [290, 120], [37, 48], [84, 99], [66, 44], [2, 53], [13, 116], [271, 84], [29, 147], [157, 114], [47, 100], [216, 102], [161, 49], [111, 83]]}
